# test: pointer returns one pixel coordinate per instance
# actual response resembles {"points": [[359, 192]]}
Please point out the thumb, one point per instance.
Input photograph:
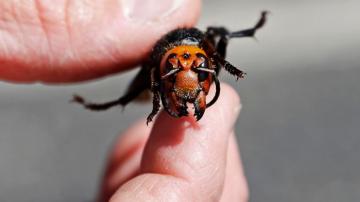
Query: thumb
{"points": [[67, 41]]}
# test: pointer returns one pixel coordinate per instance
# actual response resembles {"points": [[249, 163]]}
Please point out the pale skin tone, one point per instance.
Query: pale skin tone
{"points": [[172, 159]]}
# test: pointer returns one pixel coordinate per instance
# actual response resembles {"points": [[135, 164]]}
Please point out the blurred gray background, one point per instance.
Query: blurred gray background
{"points": [[299, 130]]}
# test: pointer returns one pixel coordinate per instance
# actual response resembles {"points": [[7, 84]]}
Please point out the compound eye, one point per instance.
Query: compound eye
{"points": [[202, 76], [202, 63], [171, 62]]}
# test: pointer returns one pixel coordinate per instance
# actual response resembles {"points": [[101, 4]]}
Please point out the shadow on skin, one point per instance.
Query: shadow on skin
{"points": [[171, 130]]}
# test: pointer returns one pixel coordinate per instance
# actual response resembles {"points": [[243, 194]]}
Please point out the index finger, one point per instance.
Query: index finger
{"points": [[194, 151]]}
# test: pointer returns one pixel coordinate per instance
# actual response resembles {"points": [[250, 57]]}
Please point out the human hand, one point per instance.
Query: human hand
{"points": [[69, 41], [179, 159]]}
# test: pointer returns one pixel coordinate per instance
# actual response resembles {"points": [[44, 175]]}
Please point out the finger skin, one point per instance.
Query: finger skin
{"points": [[235, 186], [185, 160], [124, 159], [67, 41]]}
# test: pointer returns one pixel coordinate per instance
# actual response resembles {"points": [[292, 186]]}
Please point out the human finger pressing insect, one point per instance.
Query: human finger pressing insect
{"points": [[180, 69]]}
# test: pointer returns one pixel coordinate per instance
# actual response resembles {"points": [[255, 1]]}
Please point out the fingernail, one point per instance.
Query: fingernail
{"points": [[149, 10]]}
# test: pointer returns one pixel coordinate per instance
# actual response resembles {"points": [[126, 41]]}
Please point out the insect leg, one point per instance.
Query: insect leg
{"points": [[200, 105], [156, 107], [179, 104], [229, 67], [251, 32], [140, 83], [167, 107], [95, 106], [219, 37], [156, 97], [217, 91]]}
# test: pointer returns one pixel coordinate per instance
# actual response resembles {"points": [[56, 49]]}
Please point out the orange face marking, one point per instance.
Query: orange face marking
{"points": [[185, 79], [185, 56]]}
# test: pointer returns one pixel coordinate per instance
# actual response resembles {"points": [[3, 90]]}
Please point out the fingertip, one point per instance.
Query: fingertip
{"points": [[225, 111], [191, 150]]}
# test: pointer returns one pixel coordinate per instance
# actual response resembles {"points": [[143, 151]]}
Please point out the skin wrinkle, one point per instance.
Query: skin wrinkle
{"points": [[210, 173], [89, 56], [171, 155], [108, 51], [68, 28], [155, 190], [222, 175], [5, 50], [107, 43], [83, 13], [175, 195], [104, 50], [19, 26], [138, 187], [21, 14], [197, 156], [72, 16], [49, 25], [44, 27], [9, 31], [55, 17], [110, 39], [216, 174], [150, 188], [165, 182], [186, 165], [14, 43], [234, 166], [206, 134]]}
